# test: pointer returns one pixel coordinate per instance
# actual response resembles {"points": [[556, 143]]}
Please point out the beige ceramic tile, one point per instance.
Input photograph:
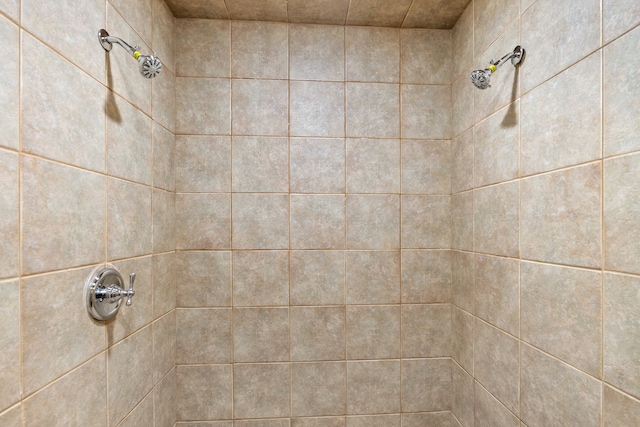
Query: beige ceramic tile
{"points": [[373, 387], [560, 217], [316, 52], [61, 108], [52, 21], [205, 279], [543, 30], [128, 219], [317, 165], [426, 385], [316, 109], [317, 277], [426, 330], [63, 216], [164, 284], [260, 278], [462, 405], [84, 389], [619, 16], [204, 337], [462, 93], [163, 101], [203, 106], [269, 10], [373, 165], [497, 292], [426, 222], [164, 158], [10, 84], [461, 160], [9, 218], [260, 221], [129, 142], [261, 390], [497, 364], [505, 86], [553, 391], [462, 338], [164, 398], [373, 332], [123, 72], [373, 54], [561, 313], [490, 18], [138, 15], [203, 48], [426, 276], [318, 11], [130, 373], [435, 419], [426, 112], [260, 107], [164, 221], [203, 163], [462, 42], [263, 423], [13, 417], [258, 49], [374, 421], [203, 221], [622, 332], [496, 147], [430, 14], [140, 313], [164, 346], [319, 422], [317, 221], [259, 164], [373, 277], [495, 219], [621, 104], [462, 280], [426, 167], [373, 110], [11, 8], [318, 388], [425, 56], [140, 415], [317, 333], [10, 376], [462, 221], [206, 9], [373, 222], [621, 201], [204, 392], [569, 105], [260, 334], [488, 411], [619, 409], [377, 13], [163, 33]]}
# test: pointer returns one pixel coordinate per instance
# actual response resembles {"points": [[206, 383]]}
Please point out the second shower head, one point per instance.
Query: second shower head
{"points": [[149, 65], [482, 78]]}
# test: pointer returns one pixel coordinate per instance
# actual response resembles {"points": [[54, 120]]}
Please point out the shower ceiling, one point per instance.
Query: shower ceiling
{"points": [[384, 13]]}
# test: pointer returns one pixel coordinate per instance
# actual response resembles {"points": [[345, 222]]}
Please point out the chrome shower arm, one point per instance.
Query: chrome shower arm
{"points": [[515, 57], [124, 44], [502, 60]]}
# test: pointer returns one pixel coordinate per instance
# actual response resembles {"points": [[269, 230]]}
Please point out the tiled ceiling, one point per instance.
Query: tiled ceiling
{"points": [[383, 13]]}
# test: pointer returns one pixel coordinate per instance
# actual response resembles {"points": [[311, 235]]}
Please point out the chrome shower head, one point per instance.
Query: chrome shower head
{"points": [[482, 78], [150, 66]]}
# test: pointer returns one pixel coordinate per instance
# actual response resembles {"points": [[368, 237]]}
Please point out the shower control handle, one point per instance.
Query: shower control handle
{"points": [[131, 292], [105, 291]]}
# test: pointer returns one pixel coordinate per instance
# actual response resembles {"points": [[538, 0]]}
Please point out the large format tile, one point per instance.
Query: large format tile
{"points": [[259, 49], [204, 336], [316, 52], [497, 292], [203, 106], [63, 216], [9, 217], [318, 389], [260, 334], [317, 165], [203, 164], [317, 277], [10, 377], [9, 84], [425, 56], [203, 48], [619, 409], [129, 223], [317, 333], [373, 54], [373, 387], [261, 390], [205, 279], [204, 392], [203, 221], [259, 164], [316, 109], [373, 277], [495, 219], [426, 385]]}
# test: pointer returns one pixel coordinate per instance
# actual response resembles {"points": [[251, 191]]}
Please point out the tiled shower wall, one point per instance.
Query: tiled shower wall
{"points": [[312, 225], [86, 177], [546, 216]]}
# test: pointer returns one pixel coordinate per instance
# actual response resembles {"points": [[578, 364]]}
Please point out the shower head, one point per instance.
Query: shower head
{"points": [[482, 78], [149, 65]]}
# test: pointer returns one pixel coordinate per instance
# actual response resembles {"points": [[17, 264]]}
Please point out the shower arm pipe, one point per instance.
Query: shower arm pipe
{"points": [[516, 57], [107, 42]]}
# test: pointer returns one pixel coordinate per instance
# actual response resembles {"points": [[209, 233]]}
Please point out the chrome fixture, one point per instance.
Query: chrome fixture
{"points": [[150, 66], [482, 78], [104, 292]]}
